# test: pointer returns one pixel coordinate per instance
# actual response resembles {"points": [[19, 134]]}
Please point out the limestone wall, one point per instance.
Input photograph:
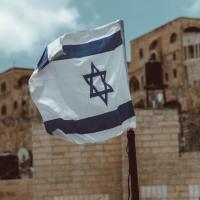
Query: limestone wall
{"points": [[164, 173], [15, 134], [63, 171], [16, 189]]}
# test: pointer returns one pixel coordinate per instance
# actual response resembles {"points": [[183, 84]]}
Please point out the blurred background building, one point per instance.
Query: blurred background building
{"points": [[165, 72], [164, 77]]}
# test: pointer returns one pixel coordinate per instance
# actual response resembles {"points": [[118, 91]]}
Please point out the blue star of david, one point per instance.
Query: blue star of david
{"points": [[89, 78]]}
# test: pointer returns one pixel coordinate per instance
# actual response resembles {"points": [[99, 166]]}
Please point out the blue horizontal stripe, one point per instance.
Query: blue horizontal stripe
{"points": [[93, 124], [91, 48], [43, 60], [87, 49]]}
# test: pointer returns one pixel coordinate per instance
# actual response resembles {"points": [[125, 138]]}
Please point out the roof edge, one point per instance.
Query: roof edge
{"points": [[16, 68], [163, 25]]}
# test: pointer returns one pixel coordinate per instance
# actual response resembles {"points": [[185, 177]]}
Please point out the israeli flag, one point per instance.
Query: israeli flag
{"points": [[81, 86]]}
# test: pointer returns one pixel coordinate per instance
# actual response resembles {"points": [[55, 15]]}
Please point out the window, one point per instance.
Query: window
{"points": [[191, 51], [153, 56], [3, 87], [23, 81], [15, 105], [175, 73], [141, 53], [192, 29], [174, 56], [134, 84], [9, 168], [166, 76], [23, 103], [173, 38], [185, 53], [4, 110], [153, 45]]}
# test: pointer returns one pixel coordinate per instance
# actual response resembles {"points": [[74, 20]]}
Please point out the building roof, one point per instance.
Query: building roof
{"points": [[17, 68], [165, 24]]}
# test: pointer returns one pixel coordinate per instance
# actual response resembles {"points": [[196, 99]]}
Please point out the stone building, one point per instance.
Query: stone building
{"points": [[176, 45], [14, 95], [16, 110], [167, 149]]}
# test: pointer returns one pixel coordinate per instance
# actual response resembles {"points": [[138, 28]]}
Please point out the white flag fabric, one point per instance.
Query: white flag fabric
{"points": [[80, 86]]}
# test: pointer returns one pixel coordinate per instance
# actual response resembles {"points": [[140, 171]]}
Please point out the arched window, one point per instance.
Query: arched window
{"points": [[174, 56], [141, 53], [166, 77], [134, 84], [15, 105], [173, 38], [191, 51], [23, 81], [175, 73], [192, 29], [153, 45], [153, 56], [4, 110], [3, 87], [23, 102]]}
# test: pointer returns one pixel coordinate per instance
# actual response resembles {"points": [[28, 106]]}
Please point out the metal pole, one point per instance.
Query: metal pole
{"points": [[133, 173]]}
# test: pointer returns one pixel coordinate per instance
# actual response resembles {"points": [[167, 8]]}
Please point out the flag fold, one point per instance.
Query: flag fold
{"points": [[80, 86]]}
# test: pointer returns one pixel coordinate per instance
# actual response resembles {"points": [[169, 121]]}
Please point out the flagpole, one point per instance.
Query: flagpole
{"points": [[133, 173], [133, 187]]}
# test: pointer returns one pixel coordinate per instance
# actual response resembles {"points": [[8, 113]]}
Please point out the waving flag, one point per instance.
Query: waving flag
{"points": [[81, 86]]}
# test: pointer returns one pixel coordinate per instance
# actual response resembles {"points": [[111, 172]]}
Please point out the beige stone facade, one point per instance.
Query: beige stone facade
{"points": [[167, 142], [67, 171], [16, 110], [177, 46]]}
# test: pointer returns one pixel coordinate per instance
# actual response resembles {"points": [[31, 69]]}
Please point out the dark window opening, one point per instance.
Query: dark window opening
{"points": [[23, 81], [192, 29], [23, 103], [15, 105], [185, 53], [3, 87], [134, 84], [141, 53], [9, 166], [175, 73], [189, 135], [173, 38], [166, 77], [4, 110], [174, 56], [153, 57], [153, 45], [191, 51]]}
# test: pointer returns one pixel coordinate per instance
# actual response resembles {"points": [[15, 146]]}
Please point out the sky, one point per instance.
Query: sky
{"points": [[27, 26]]}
